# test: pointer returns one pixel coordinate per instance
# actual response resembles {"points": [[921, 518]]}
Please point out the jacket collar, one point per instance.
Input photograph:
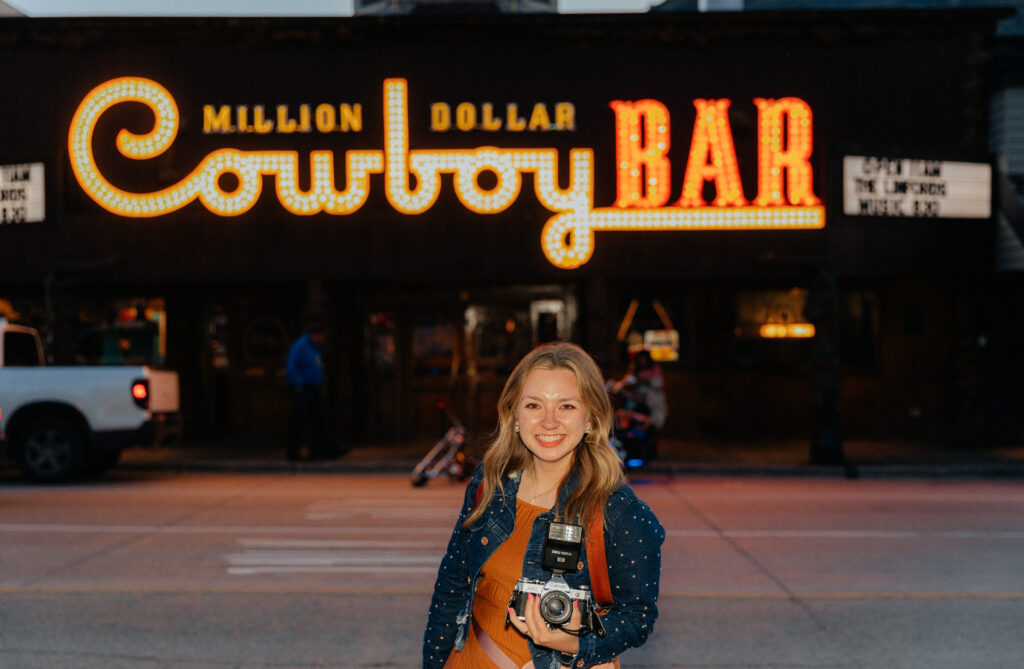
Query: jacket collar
{"points": [[512, 481]]}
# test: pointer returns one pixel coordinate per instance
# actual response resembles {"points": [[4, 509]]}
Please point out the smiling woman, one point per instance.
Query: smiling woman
{"points": [[549, 474]]}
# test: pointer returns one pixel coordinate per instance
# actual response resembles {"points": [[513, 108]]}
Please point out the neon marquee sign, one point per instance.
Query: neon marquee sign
{"points": [[785, 197]]}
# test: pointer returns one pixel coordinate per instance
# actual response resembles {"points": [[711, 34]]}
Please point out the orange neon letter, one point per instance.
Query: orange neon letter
{"points": [[712, 158], [784, 148], [642, 173]]}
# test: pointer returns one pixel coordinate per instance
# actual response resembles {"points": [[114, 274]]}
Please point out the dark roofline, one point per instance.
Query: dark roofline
{"points": [[80, 32]]}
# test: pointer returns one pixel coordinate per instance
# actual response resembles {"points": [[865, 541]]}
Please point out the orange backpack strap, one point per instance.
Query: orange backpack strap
{"points": [[599, 581]]}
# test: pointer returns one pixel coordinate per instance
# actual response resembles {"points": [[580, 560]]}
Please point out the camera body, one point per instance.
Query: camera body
{"points": [[561, 554], [556, 598]]}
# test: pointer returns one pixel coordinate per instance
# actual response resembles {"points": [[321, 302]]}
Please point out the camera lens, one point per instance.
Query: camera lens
{"points": [[556, 608]]}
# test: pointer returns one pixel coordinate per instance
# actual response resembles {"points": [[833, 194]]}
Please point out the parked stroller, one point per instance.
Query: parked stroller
{"points": [[448, 456]]}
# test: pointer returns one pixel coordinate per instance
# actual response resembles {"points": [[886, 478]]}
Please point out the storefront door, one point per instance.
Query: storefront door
{"points": [[497, 337], [246, 395]]}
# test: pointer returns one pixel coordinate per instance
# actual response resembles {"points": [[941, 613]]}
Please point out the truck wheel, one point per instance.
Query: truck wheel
{"points": [[50, 450]]}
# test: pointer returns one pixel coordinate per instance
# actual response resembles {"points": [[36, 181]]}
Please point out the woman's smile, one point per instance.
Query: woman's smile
{"points": [[550, 440]]}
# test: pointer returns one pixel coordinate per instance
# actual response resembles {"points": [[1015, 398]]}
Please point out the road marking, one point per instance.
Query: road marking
{"points": [[339, 543], [859, 493], [240, 589], [350, 569], [340, 511], [846, 595], [246, 588], [851, 534], [285, 558], [315, 558], [277, 556], [442, 531]]}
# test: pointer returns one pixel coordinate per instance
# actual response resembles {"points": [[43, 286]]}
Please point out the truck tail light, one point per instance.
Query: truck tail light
{"points": [[140, 393]]}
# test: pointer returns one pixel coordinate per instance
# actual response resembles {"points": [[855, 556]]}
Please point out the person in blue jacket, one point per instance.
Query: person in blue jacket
{"points": [[305, 371], [551, 461]]}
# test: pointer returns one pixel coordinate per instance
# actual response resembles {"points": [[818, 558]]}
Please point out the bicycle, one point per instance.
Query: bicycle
{"points": [[448, 456]]}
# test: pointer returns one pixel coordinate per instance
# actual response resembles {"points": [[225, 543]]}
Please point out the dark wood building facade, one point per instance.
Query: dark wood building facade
{"points": [[195, 250]]}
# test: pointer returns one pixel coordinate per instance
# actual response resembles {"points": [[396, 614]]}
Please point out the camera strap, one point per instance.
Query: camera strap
{"points": [[597, 560]]}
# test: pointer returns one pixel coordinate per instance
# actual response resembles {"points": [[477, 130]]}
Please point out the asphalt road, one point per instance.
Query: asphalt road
{"points": [[283, 570]]}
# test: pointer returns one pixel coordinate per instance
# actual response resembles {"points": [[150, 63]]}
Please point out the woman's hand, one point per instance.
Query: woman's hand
{"points": [[536, 628]]}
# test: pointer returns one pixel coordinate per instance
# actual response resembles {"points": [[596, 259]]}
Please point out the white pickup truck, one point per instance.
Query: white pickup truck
{"points": [[64, 422]]}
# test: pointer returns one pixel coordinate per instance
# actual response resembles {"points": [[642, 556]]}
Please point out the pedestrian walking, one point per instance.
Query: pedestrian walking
{"points": [[305, 371], [550, 483]]}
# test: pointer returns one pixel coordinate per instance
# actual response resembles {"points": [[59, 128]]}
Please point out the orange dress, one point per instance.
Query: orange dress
{"points": [[497, 580]]}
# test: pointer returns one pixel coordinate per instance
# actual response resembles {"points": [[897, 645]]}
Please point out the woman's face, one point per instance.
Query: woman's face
{"points": [[551, 415]]}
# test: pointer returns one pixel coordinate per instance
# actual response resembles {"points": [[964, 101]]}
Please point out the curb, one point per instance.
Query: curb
{"points": [[950, 470]]}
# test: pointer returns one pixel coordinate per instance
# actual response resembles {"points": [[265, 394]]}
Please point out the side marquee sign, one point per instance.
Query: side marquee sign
{"points": [[901, 187], [23, 193]]}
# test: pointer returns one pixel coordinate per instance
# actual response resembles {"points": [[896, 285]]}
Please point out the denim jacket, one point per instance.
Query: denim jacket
{"points": [[632, 537]]}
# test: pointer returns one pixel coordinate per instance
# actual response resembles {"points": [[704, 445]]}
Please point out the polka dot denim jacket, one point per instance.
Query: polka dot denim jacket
{"points": [[633, 538]]}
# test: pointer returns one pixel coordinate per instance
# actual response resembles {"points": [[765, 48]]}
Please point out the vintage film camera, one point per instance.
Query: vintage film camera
{"points": [[561, 555]]}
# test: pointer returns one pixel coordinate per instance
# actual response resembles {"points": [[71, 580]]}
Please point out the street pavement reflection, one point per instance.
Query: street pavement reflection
{"points": [[336, 570]]}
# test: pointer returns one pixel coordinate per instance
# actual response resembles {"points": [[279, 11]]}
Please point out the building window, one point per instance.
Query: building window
{"points": [[497, 338], [20, 350], [433, 347], [771, 328], [266, 342], [380, 338], [130, 331], [659, 325]]}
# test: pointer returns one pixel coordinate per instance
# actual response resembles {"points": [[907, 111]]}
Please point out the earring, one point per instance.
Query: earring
{"points": [[517, 427], [588, 429]]}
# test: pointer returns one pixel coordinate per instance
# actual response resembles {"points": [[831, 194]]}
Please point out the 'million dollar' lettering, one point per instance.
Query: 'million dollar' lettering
{"points": [[784, 200], [324, 118]]}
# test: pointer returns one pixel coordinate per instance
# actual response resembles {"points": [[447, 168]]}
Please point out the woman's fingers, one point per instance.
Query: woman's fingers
{"points": [[542, 635], [535, 623], [537, 629], [516, 622]]}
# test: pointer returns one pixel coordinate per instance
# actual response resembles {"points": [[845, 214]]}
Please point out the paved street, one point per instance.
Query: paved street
{"points": [[198, 570]]}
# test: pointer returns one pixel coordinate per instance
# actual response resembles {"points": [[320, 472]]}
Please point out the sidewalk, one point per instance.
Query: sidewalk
{"points": [[869, 459]]}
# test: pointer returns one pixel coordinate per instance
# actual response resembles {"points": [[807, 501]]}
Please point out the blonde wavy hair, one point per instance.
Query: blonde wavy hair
{"points": [[598, 466]]}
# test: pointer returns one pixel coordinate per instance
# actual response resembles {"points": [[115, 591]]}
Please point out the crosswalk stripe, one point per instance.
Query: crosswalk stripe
{"points": [[852, 534], [263, 555], [341, 543], [60, 528], [327, 558], [348, 569]]}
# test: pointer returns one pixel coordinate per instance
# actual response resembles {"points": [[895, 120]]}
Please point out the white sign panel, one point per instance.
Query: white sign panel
{"points": [[22, 193], [916, 188]]}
